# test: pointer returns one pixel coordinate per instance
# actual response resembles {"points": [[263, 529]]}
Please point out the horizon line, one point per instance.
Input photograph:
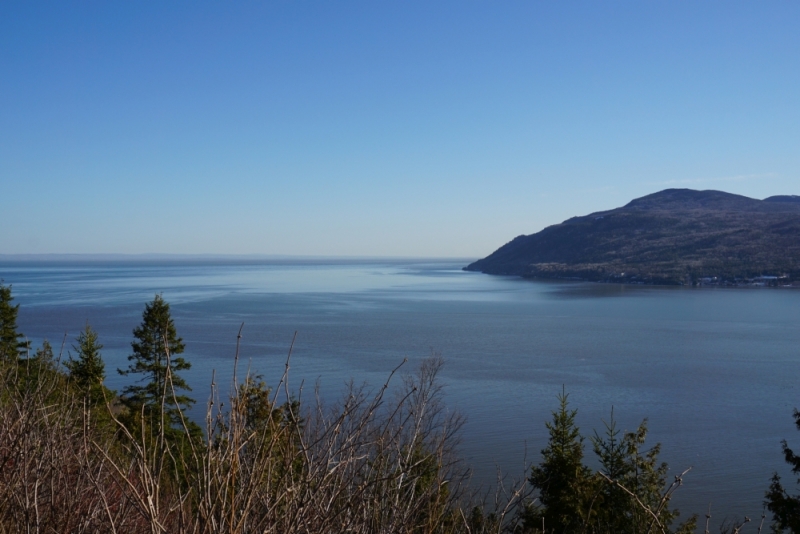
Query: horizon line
{"points": [[54, 256]]}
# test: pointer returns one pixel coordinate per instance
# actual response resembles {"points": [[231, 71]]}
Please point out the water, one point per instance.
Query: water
{"points": [[716, 371]]}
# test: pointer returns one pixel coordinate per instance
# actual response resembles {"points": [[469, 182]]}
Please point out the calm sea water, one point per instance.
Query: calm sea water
{"points": [[715, 371]]}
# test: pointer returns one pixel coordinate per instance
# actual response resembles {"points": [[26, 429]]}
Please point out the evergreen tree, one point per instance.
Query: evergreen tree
{"points": [[785, 508], [616, 506], [564, 483], [87, 370], [646, 478], [38, 368], [260, 413], [155, 358], [12, 344], [639, 471]]}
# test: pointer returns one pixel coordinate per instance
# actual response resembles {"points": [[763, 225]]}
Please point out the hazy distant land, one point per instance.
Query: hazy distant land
{"points": [[673, 237]]}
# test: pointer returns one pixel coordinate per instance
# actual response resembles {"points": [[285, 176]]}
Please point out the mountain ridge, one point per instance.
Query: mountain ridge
{"points": [[674, 236]]}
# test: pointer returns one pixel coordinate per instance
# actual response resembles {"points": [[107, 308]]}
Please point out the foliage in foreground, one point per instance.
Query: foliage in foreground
{"points": [[625, 495], [785, 508]]}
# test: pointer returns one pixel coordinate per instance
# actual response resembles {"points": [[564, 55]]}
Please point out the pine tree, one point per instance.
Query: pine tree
{"points": [[615, 506], [646, 478], [785, 508], [155, 357], [564, 483], [37, 370], [639, 471], [12, 344], [87, 370]]}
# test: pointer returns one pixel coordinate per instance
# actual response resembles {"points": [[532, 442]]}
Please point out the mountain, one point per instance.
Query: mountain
{"points": [[675, 236]]}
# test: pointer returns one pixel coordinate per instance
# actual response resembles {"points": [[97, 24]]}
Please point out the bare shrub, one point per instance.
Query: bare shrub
{"points": [[50, 479], [375, 461]]}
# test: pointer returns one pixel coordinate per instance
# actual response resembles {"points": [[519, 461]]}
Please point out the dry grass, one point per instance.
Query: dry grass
{"points": [[376, 461]]}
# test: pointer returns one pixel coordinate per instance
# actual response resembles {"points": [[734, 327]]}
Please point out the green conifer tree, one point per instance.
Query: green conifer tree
{"points": [[785, 508], [564, 484], [37, 369], [87, 370], [155, 358], [638, 470], [12, 343], [615, 506]]}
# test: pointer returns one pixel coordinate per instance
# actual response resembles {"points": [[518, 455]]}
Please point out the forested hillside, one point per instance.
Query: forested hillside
{"points": [[676, 236]]}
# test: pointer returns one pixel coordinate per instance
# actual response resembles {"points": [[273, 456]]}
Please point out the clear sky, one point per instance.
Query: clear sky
{"points": [[394, 128]]}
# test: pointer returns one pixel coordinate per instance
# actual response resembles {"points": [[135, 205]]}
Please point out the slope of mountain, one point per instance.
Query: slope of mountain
{"points": [[675, 236]]}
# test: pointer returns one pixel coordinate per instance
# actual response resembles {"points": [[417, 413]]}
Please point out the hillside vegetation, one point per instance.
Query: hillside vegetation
{"points": [[676, 236]]}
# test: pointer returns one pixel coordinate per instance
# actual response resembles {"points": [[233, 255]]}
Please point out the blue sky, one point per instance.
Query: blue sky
{"points": [[378, 128]]}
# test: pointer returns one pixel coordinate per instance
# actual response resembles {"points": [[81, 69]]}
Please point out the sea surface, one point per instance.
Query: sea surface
{"points": [[714, 370]]}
